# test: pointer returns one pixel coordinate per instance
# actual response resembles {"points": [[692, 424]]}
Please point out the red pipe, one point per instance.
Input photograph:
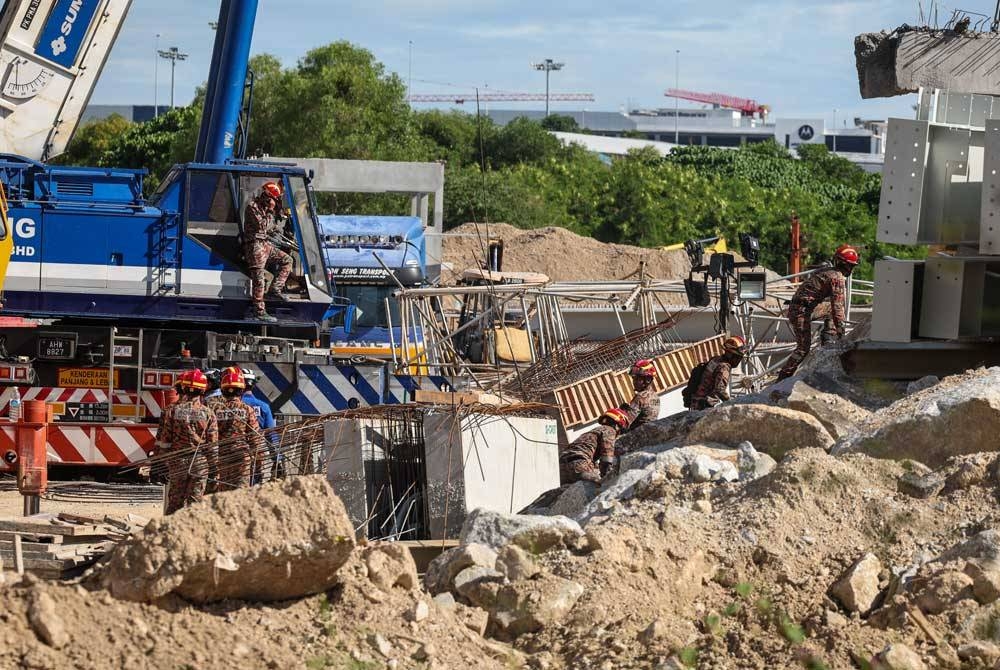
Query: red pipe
{"points": [[795, 262], [32, 459]]}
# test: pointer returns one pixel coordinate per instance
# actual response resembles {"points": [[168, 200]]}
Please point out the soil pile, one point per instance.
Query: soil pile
{"points": [[240, 545], [558, 253], [369, 612]]}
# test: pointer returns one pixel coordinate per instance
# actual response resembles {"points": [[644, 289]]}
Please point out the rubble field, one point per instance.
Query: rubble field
{"points": [[822, 523]]}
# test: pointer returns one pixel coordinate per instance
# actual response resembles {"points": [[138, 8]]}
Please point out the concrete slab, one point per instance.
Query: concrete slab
{"points": [[901, 62], [500, 464]]}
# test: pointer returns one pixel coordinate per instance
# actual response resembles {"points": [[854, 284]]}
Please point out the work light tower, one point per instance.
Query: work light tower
{"points": [[547, 66]]}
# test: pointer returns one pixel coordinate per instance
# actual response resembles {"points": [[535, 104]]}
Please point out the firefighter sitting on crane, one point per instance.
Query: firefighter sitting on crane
{"points": [[260, 223], [826, 284]]}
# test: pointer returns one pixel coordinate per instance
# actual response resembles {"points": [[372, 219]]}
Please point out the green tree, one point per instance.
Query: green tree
{"points": [[560, 123], [521, 141], [93, 140]]}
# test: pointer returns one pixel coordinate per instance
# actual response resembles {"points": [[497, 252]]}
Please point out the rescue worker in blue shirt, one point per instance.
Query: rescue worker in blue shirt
{"points": [[214, 377], [266, 420]]}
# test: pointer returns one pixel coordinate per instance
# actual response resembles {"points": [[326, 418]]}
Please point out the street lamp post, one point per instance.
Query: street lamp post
{"points": [[677, 106], [834, 130], [173, 55], [156, 77], [547, 66]]}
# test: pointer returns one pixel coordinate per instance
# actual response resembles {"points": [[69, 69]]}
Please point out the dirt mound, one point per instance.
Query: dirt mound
{"points": [[354, 625], [739, 575], [368, 610], [559, 254], [274, 542]]}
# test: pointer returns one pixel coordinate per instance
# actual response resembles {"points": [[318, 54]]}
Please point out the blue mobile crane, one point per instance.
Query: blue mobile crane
{"points": [[88, 245], [126, 289]]}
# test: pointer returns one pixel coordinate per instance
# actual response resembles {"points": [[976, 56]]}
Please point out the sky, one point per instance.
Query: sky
{"points": [[795, 55]]}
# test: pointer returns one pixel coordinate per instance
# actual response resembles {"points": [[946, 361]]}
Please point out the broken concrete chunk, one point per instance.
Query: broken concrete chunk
{"points": [[986, 653], [921, 384], [390, 564], [858, 588], [838, 415], [478, 585], [774, 430], [985, 580], [419, 612], [515, 563], [922, 487], [968, 473], [956, 417], [498, 529], [891, 64], [900, 657], [984, 546], [445, 601], [442, 570], [531, 605], [45, 620], [573, 499]]}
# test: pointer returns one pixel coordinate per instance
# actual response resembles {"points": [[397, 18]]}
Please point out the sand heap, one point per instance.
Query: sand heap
{"points": [[559, 253]]}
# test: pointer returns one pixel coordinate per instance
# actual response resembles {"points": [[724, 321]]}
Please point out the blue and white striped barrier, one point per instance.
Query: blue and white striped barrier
{"points": [[321, 389]]}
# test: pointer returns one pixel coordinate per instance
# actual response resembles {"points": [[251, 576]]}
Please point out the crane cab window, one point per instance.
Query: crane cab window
{"points": [[212, 218]]}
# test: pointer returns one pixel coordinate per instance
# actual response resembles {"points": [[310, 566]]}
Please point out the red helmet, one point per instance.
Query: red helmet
{"points": [[232, 378], [197, 381], [618, 417], [272, 190], [643, 368], [183, 382], [847, 254], [735, 343]]}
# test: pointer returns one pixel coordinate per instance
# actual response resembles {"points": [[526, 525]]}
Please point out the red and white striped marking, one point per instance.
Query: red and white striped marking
{"points": [[109, 445], [53, 394]]}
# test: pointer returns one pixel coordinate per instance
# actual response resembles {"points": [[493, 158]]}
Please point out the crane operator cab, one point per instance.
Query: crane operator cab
{"points": [[243, 224]]}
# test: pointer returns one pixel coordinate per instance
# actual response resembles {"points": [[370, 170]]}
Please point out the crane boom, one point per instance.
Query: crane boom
{"points": [[51, 56], [220, 121], [461, 98], [746, 106]]}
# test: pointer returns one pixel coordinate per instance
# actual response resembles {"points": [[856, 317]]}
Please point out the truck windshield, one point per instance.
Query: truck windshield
{"points": [[370, 301], [310, 239]]}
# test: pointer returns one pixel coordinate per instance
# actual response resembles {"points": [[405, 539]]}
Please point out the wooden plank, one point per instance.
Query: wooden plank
{"points": [[32, 537], [18, 558], [445, 398], [27, 545], [31, 564], [47, 528]]}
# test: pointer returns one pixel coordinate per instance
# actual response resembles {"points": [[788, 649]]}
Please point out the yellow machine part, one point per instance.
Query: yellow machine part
{"points": [[6, 238], [719, 247], [513, 345]]}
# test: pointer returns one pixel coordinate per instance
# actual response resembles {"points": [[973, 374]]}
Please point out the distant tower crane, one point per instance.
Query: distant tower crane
{"points": [[461, 98], [745, 106]]}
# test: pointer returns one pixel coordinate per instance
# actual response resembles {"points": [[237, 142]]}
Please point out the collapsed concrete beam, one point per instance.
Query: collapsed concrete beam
{"points": [[906, 59]]}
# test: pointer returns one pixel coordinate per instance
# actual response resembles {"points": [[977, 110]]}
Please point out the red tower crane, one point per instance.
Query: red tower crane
{"points": [[745, 106], [461, 98]]}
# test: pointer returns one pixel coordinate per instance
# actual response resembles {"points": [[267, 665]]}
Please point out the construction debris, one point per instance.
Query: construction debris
{"points": [[908, 58], [59, 546], [729, 538], [958, 416]]}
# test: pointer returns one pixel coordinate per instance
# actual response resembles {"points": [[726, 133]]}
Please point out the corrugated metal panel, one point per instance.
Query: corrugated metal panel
{"points": [[585, 400]]}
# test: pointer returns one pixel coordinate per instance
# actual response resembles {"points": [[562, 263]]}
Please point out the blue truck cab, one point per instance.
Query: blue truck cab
{"points": [[350, 246]]}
